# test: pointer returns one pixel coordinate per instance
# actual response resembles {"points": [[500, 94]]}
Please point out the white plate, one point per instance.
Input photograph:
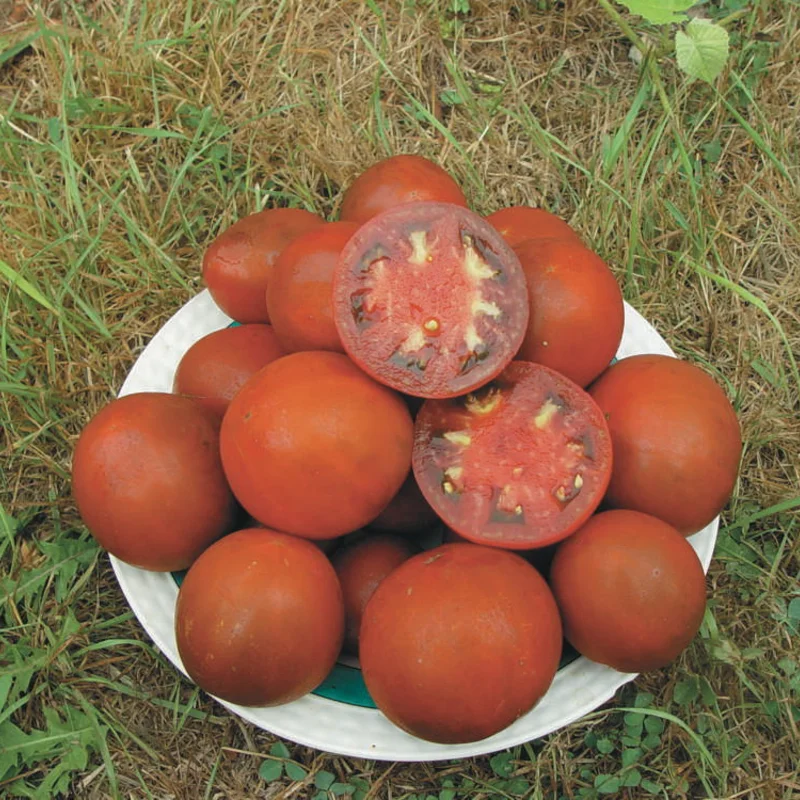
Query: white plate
{"points": [[330, 725]]}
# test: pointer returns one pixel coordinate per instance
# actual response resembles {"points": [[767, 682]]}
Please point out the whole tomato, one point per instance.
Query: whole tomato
{"points": [[148, 481], [675, 436], [577, 312], [397, 180], [518, 224], [300, 296], [313, 446], [361, 565], [238, 263], [459, 642], [259, 619], [630, 589], [216, 366]]}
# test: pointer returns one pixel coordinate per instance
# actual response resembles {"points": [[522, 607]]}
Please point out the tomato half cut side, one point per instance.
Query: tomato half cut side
{"points": [[430, 300], [520, 463]]}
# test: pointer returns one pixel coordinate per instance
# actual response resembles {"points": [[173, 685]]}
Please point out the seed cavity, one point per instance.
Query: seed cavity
{"points": [[476, 267], [448, 487], [485, 307], [485, 402], [546, 413], [420, 252], [454, 473], [564, 494], [461, 438]]}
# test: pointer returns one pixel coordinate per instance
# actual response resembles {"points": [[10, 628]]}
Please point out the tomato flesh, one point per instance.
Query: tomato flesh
{"points": [[521, 463], [430, 300]]}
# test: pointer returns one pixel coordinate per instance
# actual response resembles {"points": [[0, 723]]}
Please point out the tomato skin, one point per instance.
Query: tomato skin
{"points": [[394, 181], [361, 566], [577, 312], [238, 263], [631, 591], [518, 224], [407, 512], [520, 464], [460, 641], [676, 439], [429, 300], [300, 296], [314, 447], [538, 557], [216, 366], [148, 481], [259, 619]]}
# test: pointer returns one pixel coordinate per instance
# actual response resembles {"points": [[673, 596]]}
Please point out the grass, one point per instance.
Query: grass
{"points": [[131, 132]]}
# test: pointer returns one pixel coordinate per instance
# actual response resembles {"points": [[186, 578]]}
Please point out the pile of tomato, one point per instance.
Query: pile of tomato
{"points": [[415, 367]]}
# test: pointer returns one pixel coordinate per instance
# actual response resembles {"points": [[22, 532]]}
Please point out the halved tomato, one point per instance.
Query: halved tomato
{"points": [[430, 300], [521, 463], [518, 224]]}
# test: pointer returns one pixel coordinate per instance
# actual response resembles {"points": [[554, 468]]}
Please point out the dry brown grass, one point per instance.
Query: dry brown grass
{"points": [[298, 98]]}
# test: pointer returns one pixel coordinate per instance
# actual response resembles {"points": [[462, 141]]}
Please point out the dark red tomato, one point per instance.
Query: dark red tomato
{"points": [[148, 482], [430, 300], [313, 446], [394, 181], [521, 463], [361, 566], [326, 545], [676, 440], [299, 297], [215, 367], [238, 264], [518, 224], [260, 618], [577, 313], [408, 511], [459, 642], [631, 591]]}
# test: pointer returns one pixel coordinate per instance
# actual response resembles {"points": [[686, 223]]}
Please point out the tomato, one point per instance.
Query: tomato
{"points": [[148, 482], [259, 619], [361, 566], [214, 368], [521, 463], [299, 297], [459, 642], [408, 511], [312, 446], [518, 224], [631, 591], [430, 300], [676, 440], [394, 181], [238, 263], [577, 313]]}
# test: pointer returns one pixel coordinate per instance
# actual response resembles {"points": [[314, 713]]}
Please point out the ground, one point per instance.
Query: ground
{"points": [[132, 132]]}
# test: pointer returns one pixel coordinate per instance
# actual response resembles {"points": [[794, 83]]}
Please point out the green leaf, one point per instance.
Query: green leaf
{"points": [[650, 786], [607, 784], [295, 771], [447, 794], [324, 779], [501, 764], [279, 750], [686, 691], [793, 612], [631, 755], [605, 746], [702, 50], [270, 770], [659, 11], [632, 778]]}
